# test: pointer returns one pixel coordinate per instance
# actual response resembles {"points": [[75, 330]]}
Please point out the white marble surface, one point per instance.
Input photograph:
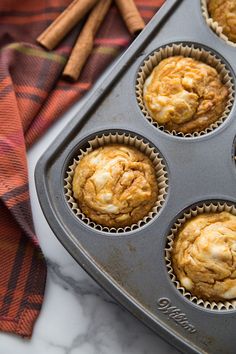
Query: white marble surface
{"points": [[77, 317]]}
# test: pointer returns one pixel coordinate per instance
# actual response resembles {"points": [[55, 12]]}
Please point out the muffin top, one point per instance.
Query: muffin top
{"points": [[115, 185], [224, 12], [204, 256], [184, 94]]}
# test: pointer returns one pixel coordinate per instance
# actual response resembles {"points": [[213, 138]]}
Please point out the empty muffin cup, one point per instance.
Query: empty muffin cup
{"points": [[186, 102], [200, 255], [124, 181]]}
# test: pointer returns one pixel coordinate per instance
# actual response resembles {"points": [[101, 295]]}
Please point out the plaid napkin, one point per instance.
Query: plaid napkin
{"points": [[32, 96]]}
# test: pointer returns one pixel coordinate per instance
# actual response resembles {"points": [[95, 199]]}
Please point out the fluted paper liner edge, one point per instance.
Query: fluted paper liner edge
{"points": [[129, 140], [187, 51], [192, 212], [214, 25]]}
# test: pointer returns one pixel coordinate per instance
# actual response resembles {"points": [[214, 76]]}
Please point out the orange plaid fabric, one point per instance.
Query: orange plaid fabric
{"points": [[32, 96]]}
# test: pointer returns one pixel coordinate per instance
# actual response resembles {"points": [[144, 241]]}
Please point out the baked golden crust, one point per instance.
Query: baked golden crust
{"points": [[115, 185], [184, 94], [224, 12], [204, 256]]}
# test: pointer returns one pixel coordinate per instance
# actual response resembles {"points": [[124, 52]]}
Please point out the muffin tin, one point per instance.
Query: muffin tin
{"points": [[131, 265]]}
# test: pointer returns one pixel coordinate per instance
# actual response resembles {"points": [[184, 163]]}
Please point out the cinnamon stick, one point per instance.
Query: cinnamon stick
{"points": [[131, 16], [84, 44], [64, 23]]}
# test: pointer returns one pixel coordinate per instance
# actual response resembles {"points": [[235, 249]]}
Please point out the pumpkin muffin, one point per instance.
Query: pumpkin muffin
{"points": [[184, 94], [204, 256], [115, 185], [224, 12]]}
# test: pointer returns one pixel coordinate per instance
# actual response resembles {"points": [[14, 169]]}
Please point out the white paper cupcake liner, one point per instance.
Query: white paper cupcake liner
{"points": [[185, 50], [214, 25], [126, 139], [210, 207]]}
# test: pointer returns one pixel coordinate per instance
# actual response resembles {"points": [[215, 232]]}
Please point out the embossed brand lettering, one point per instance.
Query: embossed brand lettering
{"points": [[175, 314]]}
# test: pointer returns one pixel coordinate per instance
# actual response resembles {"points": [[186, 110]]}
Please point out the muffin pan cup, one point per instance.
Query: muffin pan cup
{"points": [[131, 265], [198, 210], [214, 24], [129, 140], [197, 53]]}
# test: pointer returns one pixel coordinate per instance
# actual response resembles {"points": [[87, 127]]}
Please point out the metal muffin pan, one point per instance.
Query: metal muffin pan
{"points": [[131, 266]]}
